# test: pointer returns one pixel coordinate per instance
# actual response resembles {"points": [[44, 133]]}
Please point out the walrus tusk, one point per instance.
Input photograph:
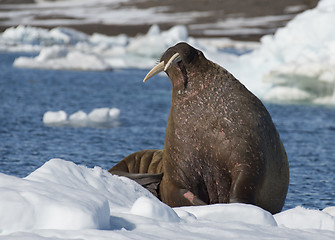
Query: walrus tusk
{"points": [[173, 60], [162, 67], [155, 70]]}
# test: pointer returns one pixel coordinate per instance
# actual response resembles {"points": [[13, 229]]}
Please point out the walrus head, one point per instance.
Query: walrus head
{"points": [[180, 62]]}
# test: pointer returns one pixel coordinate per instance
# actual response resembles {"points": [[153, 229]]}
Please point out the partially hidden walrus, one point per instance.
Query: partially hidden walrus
{"points": [[221, 145]]}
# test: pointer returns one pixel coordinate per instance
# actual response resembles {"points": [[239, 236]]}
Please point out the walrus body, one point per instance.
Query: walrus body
{"points": [[221, 145]]}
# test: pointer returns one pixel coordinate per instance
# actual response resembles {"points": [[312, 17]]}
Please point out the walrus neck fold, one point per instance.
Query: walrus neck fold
{"points": [[179, 78]]}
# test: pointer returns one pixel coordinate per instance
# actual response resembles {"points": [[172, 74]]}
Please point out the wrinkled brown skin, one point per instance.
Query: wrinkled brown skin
{"points": [[221, 145]]}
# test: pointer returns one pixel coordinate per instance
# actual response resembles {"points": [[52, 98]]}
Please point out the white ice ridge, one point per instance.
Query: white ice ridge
{"points": [[99, 117], [62, 200], [64, 48], [297, 63]]}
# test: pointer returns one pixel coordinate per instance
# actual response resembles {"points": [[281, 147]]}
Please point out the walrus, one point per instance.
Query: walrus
{"points": [[221, 145]]}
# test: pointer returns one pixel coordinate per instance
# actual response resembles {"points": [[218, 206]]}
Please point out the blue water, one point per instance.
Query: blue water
{"points": [[26, 143]]}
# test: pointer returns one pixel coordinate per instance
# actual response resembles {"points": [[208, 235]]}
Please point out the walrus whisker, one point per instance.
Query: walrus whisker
{"points": [[158, 60], [173, 60], [155, 70]]}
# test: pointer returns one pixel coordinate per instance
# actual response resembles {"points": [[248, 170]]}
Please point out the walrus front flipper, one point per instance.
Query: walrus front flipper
{"points": [[145, 161], [176, 196], [144, 167], [150, 181], [193, 199]]}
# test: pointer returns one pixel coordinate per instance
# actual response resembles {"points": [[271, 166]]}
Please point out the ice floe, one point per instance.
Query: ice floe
{"points": [[99, 117], [295, 64], [95, 52], [62, 200]]}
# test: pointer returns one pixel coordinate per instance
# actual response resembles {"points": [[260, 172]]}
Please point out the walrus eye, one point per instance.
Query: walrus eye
{"points": [[162, 66]]}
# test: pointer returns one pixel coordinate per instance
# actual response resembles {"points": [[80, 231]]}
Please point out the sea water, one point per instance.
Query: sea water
{"points": [[307, 131]]}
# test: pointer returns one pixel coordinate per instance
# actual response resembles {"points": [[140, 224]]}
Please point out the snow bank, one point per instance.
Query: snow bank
{"points": [[330, 210], [296, 63], [99, 117], [151, 208], [301, 218], [62, 200], [62, 195], [230, 213]]}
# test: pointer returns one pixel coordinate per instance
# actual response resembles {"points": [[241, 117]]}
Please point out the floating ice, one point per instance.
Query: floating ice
{"points": [[99, 117], [63, 48], [295, 64], [62, 200], [60, 57], [58, 117], [21, 37], [79, 118], [103, 114], [155, 43]]}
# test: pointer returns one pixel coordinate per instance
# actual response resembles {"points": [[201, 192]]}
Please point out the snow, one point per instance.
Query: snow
{"points": [[151, 208], [297, 62], [311, 219], [99, 117], [48, 200], [62, 200], [239, 25], [54, 117], [231, 213]]}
